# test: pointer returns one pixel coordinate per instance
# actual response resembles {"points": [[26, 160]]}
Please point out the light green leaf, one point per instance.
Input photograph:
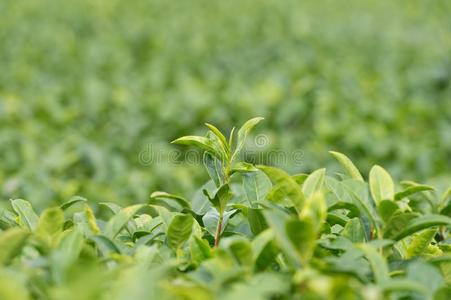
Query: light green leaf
{"points": [[314, 182], [118, 221], [200, 203], [11, 243], [277, 221], [113, 207], [419, 242], [27, 217], [105, 245], [66, 254], [158, 198], [179, 230], [377, 263], [74, 200], [221, 197], [241, 250], [200, 142], [421, 223], [7, 219], [347, 165], [243, 133], [13, 286], [402, 285], [211, 219], [353, 231], [261, 241], [222, 139], [386, 209], [243, 167], [214, 168], [302, 235], [412, 190], [86, 222], [255, 185], [381, 184], [286, 186], [50, 224], [199, 249]]}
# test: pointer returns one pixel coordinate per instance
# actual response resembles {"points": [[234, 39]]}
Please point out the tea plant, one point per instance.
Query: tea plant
{"points": [[250, 232]]}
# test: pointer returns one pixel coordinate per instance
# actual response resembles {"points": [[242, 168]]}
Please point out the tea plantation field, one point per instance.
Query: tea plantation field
{"points": [[89, 88], [202, 149]]}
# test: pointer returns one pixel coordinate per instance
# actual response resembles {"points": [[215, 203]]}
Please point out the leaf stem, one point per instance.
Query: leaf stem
{"points": [[218, 231]]}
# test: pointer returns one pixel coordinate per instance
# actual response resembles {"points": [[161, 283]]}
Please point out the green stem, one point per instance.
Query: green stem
{"points": [[218, 231]]}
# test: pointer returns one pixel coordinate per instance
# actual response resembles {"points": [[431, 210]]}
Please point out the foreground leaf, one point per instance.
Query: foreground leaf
{"points": [[381, 184]]}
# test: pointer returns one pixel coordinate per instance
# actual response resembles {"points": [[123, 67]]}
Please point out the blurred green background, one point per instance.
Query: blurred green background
{"points": [[87, 87]]}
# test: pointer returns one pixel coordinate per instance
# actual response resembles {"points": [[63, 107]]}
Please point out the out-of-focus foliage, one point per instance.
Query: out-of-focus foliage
{"points": [[253, 232], [90, 89]]}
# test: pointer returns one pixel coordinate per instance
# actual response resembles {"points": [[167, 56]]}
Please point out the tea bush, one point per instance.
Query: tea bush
{"points": [[250, 232]]}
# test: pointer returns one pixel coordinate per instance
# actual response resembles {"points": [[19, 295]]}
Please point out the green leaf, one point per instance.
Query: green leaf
{"points": [[420, 223], [397, 222], [105, 245], [74, 200], [386, 209], [222, 139], [158, 198], [11, 244], [302, 234], [211, 218], [221, 197], [7, 219], [27, 217], [113, 207], [118, 221], [50, 224], [200, 142], [381, 184], [256, 220], [13, 286], [419, 242], [86, 222], [199, 249], [412, 190], [243, 133], [286, 186], [352, 208], [353, 231], [179, 230], [214, 169], [277, 221], [241, 251], [402, 285], [66, 254], [425, 275], [200, 203], [300, 178], [377, 263], [315, 210], [364, 206], [347, 165], [261, 241], [243, 167], [255, 185], [314, 182]]}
